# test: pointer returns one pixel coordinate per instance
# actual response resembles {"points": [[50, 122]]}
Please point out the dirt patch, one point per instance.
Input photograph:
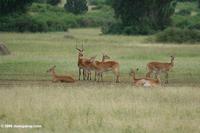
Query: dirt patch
{"points": [[3, 49]]}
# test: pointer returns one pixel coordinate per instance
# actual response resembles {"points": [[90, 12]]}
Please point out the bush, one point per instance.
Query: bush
{"points": [[44, 17], [112, 28], [76, 6], [189, 22], [176, 35], [51, 2], [184, 12]]}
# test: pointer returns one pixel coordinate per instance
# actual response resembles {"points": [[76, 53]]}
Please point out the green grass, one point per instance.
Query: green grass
{"points": [[35, 53], [88, 106]]}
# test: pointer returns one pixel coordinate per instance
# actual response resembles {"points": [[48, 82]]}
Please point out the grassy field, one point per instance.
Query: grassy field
{"points": [[27, 95]]}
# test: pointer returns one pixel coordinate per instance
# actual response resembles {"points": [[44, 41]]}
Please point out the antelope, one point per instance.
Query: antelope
{"points": [[104, 66], [81, 61], [158, 67], [56, 78], [104, 57], [144, 82]]}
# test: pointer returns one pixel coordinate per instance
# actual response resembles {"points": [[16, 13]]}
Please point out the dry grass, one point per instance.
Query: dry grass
{"points": [[90, 107]]}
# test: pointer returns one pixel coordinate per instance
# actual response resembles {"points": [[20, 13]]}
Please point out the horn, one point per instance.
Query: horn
{"points": [[77, 47], [82, 46]]}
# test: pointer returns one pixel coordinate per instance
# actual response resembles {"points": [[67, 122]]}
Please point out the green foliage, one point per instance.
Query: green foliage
{"points": [[176, 35], [76, 6], [53, 2], [184, 12], [100, 2], [10, 6], [199, 3], [44, 17], [187, 16], [187, 0], [144, 16]]}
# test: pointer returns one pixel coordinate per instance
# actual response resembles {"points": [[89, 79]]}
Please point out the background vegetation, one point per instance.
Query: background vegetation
{"points": [[46, 16], [42, 17]]}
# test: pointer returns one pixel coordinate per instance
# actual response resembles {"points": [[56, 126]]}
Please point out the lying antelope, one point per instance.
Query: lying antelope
{"points": [[56, 78], [104, 66], [158, 67], [145, 82]]}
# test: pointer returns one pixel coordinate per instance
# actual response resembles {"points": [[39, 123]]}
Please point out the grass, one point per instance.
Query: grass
{"points": [[35, 53], [91, 107], [87, 106]]}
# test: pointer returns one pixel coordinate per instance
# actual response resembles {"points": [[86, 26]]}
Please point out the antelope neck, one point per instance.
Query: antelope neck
{"points": [[53, 73]]}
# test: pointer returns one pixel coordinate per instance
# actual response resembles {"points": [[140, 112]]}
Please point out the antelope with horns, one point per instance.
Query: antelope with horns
{"points": [[81, 60], [104, 66], [145, 82], [158, 67], [56, 78]]}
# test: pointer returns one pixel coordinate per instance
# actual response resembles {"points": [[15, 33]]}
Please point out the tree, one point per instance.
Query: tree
{"points": [[76, 6], [199, 3], [10, 6], [144, 15], [53, 2]]}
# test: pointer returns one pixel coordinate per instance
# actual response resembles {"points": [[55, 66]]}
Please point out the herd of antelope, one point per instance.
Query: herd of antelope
{"points": [[88, 65]]}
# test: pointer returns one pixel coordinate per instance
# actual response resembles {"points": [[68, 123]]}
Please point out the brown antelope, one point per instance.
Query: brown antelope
{"points": [[145, 82], [91, 68], [158, 67], [56, 78], [104, 66], [81, 61]]}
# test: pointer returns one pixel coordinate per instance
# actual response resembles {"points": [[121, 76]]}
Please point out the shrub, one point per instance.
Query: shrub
{"points": [[53, 2], [76, 6], [176, 35], [184, 12], [112, 28]]}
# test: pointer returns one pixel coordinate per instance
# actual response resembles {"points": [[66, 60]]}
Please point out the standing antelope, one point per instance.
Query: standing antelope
{"points": [[89, 67], [104, 66], [81, 61], [145, 82], [158, 67], [56, 78]]}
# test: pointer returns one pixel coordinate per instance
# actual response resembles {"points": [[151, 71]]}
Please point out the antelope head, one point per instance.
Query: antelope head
{"points": [[132, 72], [51, 69], [92, 59], [80, 50], [106, 56]]}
